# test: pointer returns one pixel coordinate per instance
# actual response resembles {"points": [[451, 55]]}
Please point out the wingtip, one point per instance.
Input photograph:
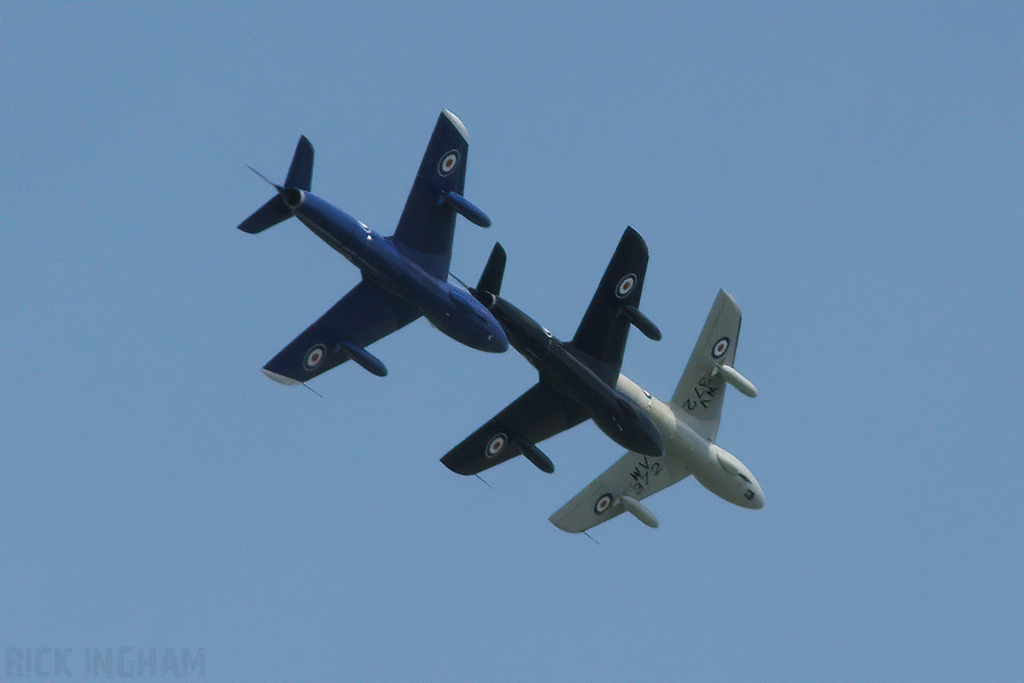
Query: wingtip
{"points": [[456, 466], [631, 235], [287, 381], [457, 122]]}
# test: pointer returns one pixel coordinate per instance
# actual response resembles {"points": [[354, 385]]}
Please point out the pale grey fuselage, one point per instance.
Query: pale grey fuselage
{"points": [[687, 453]]}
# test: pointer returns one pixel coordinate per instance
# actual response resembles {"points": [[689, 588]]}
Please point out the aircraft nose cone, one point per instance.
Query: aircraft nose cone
{"points": [[647, 439], [753, 496], [631, 428], [655, 443], [496, 341]]}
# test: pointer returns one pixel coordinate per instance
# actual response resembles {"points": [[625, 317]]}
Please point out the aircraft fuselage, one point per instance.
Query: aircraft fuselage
{"points": [[443, 304], [686, 452], [617, 416]]}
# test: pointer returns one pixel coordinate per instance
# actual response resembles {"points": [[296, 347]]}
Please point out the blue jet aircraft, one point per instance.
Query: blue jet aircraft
{"points": [[404, 276], [577, 378]]}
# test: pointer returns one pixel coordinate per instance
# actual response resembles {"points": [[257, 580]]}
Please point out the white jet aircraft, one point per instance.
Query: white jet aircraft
{"points": [[688, 426]]}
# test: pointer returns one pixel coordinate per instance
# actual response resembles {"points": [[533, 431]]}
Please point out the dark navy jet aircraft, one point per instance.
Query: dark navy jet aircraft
{"points": [[577, 379], [404, 276]]}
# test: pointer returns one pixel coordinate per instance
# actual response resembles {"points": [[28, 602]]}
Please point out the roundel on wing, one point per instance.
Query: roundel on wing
{"points": [[448, 162], [720, 347], [625, 286], [603, 503], [496, 445], [314, 357]]}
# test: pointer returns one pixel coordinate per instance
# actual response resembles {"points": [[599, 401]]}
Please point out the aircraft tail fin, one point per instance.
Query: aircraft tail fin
{"points": [[701, 389], [300, 173], [494, 272], [300, 177]]}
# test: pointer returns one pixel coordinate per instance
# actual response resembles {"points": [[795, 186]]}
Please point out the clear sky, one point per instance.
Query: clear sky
{"points": [[851, 174]]}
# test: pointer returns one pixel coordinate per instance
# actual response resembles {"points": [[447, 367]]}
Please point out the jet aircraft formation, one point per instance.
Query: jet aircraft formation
{"points": [[405, 276]]}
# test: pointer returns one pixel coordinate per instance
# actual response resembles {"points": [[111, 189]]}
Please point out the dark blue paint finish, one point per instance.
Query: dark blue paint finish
{"points": [[468, 209], [404, 276], [426, 202]]}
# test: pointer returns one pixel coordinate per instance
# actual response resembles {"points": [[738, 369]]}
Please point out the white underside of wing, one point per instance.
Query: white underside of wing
{"points": [[280, 378], [634, 475]]}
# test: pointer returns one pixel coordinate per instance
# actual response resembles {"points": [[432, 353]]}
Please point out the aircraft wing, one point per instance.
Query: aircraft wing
{"points": [[633, 475], [605, 326], [360, 318], [427, 224], [701, 392], [538, 414]]}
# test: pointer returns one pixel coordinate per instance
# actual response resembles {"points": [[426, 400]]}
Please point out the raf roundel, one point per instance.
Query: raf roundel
{"points": [[625, 286], [313, 357], [603, 503], [496, 445], [448, 162], [721, 346]]}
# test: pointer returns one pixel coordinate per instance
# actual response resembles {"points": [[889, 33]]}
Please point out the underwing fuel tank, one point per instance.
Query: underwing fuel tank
{"points": [[365, 359], [637, 509], [467, 209], [641, 322], [535, 455], [742, 384]]}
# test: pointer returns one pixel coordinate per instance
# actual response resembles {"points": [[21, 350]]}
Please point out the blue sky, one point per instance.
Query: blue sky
{"points": [[851, 174]]}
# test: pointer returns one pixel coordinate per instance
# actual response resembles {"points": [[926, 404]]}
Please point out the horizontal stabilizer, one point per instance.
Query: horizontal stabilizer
{"points": [[637, 509], [300, 177], [467, 209], [364, 359], [742, 384], [268, 215], [641, 322]]}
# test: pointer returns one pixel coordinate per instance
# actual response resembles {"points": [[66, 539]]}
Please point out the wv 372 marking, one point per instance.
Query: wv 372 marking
{"points": [[689, 425]]}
